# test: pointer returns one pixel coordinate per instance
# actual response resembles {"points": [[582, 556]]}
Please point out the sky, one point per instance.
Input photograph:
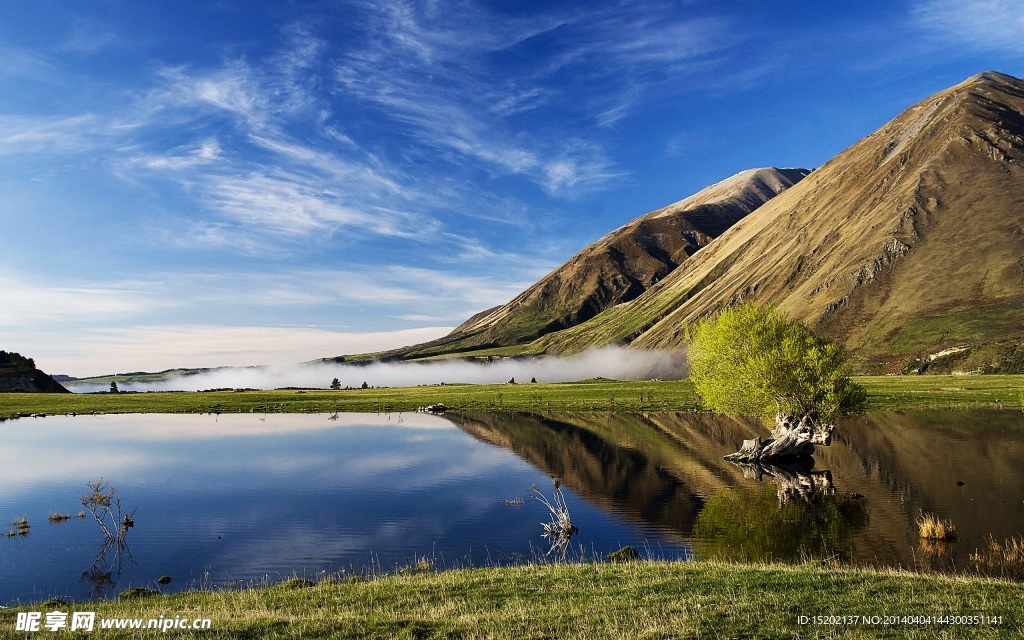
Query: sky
{"points": [[206, 183]]}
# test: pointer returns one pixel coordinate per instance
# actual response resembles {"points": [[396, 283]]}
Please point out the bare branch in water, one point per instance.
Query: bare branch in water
{"points": [[560, 530]]}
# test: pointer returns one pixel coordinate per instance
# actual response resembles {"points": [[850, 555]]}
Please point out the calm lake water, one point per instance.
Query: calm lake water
{"points": [[237, 499]]}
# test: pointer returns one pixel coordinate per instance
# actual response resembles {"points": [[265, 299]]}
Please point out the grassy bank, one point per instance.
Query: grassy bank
{"points": [[635, 600], [884, 393]]}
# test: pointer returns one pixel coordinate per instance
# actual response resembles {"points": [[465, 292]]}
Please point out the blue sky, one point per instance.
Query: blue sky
{"points": [[198, 183]]}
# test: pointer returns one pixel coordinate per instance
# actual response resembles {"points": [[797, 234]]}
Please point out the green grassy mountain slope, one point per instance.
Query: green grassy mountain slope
{"points": [[616, 268], [908, 244]]}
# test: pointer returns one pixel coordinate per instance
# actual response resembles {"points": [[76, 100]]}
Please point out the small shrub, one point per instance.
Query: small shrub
{"points": [[59, 516], [931, 527], [625, 554], [137, 592], [424, 564]]}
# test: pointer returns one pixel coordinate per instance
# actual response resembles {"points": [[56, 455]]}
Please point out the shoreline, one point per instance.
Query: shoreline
{"points": [[599, 395]]}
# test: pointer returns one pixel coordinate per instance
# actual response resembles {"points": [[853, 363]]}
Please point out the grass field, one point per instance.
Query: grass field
{"points": [[604, 600], [884, 393]]}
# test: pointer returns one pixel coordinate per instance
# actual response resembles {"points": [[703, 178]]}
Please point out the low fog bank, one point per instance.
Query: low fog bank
{"points": [[606, 362]]}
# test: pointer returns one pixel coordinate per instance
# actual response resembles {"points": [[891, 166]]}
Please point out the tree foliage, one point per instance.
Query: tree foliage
{"points": [[751, 360]]}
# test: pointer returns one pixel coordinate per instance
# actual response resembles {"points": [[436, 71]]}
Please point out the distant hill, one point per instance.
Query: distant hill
{"points": [[138, 377], [617, 268], [19, 374], [908, 247]]}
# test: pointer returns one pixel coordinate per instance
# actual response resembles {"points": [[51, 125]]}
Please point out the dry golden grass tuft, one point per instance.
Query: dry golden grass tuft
{"points": [[1001, 559], [931, 527]]}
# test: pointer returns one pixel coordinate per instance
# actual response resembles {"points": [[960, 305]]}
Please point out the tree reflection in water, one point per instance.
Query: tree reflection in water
{"points": [[803, 518], [104, 572], [103, 502]]}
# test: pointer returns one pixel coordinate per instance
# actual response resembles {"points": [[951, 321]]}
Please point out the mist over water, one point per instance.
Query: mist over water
{"points": [[617, 363]]}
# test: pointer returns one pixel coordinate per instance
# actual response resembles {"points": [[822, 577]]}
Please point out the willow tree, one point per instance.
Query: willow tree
{"points": [[751, 360]]}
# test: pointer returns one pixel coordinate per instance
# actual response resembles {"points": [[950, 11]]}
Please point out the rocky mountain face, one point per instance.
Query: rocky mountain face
{"points": [[908, 246], [19, 374], [621, 265]]}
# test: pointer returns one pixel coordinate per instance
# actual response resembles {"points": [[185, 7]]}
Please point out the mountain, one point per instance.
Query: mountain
{"points": [[908, 247], [19, 374], [618, 267]]}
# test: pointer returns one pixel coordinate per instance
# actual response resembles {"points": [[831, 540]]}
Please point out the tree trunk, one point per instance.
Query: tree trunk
{"points": [[792, 439], [795, 481]]}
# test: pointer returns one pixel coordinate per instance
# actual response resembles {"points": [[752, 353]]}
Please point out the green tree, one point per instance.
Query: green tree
{"points": [[113, 386], [335, 384], [751, 360]]}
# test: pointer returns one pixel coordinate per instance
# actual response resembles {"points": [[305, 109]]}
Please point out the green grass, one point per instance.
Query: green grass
{"points": [[629, 600], [884, 393], [592, 395], [942, 392]]}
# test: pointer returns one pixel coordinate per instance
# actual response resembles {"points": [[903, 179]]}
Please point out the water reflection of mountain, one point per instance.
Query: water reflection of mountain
{"points": [[662, 469], [655, 469], [906, 462]]}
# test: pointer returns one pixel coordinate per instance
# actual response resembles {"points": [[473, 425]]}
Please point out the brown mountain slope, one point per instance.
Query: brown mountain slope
{"points": [[908, 243], [621, 265]]}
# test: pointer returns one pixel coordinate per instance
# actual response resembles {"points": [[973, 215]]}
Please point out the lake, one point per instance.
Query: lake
{"points": [[244, 499]]}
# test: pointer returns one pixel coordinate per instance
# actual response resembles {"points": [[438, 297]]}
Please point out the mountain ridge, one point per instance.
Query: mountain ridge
{"points": [[616, 268], [860, 249]]}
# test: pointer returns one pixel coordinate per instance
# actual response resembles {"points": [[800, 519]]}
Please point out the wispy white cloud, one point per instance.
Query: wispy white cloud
{"points": [[27, 302], [189, 157], [88, 37], [233, 89], [296, 188], [580, 165], [258, 149], [287, 204], [429, 70], [396, 294], [993, 25], [988, 25], [393, 289], [157, 347], [82, 133], [19, 63]]}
